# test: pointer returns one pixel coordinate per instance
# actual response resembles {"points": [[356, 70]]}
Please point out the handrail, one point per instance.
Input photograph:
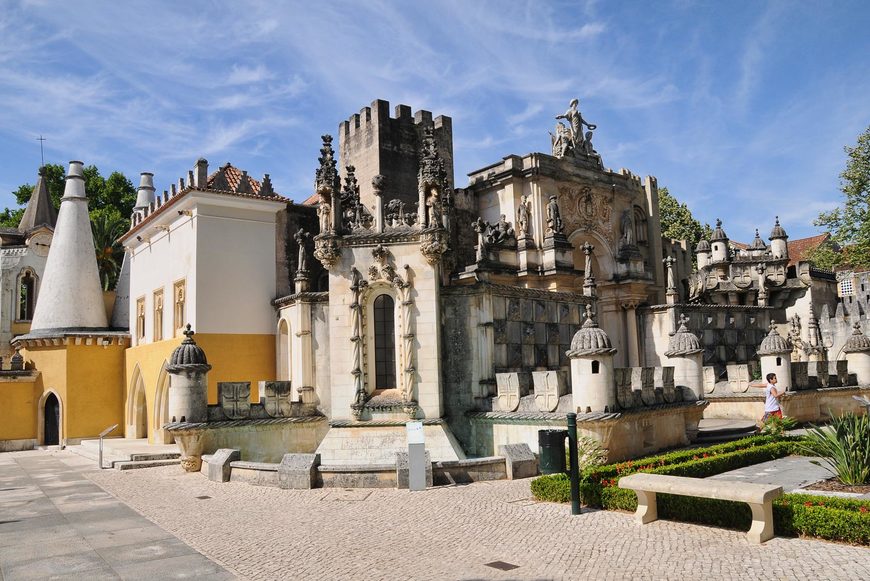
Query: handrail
{"points": [[104, 433]]}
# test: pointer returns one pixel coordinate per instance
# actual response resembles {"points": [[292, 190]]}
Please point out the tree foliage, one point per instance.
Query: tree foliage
{"points": [[849, 224], [110, 201], [678, 222]]}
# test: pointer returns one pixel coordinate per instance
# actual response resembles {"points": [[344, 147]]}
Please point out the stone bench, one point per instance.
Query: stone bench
{"points": [[759, 497]]}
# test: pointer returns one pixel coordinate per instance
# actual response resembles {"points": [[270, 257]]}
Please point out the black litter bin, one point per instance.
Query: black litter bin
{"points": [[551, 450]]}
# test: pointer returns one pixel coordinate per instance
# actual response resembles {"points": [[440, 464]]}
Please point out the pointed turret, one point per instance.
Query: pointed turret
{"points": [[145, 193], [40, 211], [70, 295], [719, 243], [778, 241]]}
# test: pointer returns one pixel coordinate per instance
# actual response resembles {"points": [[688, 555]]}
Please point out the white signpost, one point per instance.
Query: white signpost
{"points": [[416, 456]]}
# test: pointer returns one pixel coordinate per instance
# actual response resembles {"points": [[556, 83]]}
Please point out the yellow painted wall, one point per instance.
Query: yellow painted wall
{"points": [[18, 401], [20, 328], [89, 379], [232, 357]]}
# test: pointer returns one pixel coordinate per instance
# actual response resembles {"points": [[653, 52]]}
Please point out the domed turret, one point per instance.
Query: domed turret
{"points": [[188, 385], [685, 352], [857, 352], [591, 357], [719, 243], [758, 247], [774, 354], [778, 241], [702, 251]]}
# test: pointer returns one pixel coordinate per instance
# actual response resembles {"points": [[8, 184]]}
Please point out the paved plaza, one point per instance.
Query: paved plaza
{"points": [[55, 519]]}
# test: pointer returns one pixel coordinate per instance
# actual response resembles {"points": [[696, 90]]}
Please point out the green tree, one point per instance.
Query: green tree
{"points": [[678, 222], [110, 200], [849, 224]]}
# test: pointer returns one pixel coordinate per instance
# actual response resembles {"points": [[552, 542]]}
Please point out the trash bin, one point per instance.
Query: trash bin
{"points": [[551, 450]]}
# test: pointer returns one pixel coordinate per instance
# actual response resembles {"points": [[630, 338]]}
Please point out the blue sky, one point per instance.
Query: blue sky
{"points": [[741, 109]]}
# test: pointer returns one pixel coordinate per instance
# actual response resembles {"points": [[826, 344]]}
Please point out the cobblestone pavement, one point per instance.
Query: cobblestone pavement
{"points": [[57, 524], [452, 533]]}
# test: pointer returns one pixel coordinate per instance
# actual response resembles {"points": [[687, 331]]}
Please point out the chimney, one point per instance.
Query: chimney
{"points": [[145, 194], [201, 173]]}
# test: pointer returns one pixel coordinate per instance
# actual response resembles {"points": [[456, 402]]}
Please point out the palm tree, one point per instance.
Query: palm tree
{"points": [[107, 228]]}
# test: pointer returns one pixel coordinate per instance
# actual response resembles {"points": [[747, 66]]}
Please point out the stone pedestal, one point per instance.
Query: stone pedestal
{"points": [[558, 254]]}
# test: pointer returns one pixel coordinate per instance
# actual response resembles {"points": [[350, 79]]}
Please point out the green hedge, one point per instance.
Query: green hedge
{"points": [[824, 517]]}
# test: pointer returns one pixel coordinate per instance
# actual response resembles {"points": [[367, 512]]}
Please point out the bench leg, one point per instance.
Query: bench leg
{"points": [[647, 511], [762, 523]]}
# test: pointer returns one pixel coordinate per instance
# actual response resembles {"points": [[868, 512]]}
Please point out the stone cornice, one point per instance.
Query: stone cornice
{"points": [[518, 292], [305, 297]]}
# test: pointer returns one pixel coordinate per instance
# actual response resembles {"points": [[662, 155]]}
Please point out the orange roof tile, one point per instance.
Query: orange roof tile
{"points": [[799, 249]]}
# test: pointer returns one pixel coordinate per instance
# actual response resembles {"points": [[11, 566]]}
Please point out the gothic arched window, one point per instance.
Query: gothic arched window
{"points": [[26, 295], [385, 342]]}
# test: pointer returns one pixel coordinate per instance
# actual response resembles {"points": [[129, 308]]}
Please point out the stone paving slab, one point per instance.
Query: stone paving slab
{"points": [[793, 473], [452, 533], [57, 524]]}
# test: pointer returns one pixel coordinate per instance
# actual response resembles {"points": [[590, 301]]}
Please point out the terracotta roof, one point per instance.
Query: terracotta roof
{"points": [[311, 200], [233, 177], [799, 249], [739, 245]]}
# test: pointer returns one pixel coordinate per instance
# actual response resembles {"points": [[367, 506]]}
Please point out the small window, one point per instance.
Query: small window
{"points": [[716, 247], [158, 315], [179, 297], [778, 361], [595, 366], [845, 287], [26, 295], [140, 319]]}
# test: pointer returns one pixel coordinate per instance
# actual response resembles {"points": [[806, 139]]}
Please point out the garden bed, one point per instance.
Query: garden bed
{"points": [[833, 484], [822, 517]]}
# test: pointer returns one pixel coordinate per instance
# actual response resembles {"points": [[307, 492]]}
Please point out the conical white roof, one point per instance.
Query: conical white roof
{"points": [[70, 296]]}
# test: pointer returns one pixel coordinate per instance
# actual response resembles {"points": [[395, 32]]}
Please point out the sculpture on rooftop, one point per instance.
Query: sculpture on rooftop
{"points": [[571, 141]]}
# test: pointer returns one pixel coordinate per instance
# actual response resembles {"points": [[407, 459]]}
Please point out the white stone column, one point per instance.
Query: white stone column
{"points": [[630, 309]]}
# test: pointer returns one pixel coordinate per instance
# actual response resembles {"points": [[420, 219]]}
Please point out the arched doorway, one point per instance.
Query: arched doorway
{"points": [[161, 408], [51, 415], [137, 409]]}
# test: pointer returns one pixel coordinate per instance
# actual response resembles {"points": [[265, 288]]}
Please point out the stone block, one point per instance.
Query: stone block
{"points": [[219, 468], [235, 399], [276, 398], [402, 473], [843, 373], [510, 388], [800, 374], [520, 462], [738, 377], [298, 471]]}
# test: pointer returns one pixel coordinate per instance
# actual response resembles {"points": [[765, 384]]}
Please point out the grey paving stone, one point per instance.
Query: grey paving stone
{"points": [[117, 538], [16, 524], [45, 568], [106, 525], [118, 556], [17, 554], [102, 513], [37, 535], [183, 567]]}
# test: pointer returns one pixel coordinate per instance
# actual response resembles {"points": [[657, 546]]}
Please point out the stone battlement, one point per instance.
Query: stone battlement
{"points": [[378, 114]]}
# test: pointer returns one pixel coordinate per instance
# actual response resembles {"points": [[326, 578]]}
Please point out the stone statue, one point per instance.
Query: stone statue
{"points": [[524, 213], [433, 207], [575, 119], [561, 141], [627, 227], [554, 218], [501, 231], [480, 227], [302, 261], [324, 211]]}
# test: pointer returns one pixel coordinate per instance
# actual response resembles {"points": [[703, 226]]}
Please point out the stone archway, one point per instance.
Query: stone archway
{"points": [[161, 408], [603, 262], [137, 409], [283, 350]]}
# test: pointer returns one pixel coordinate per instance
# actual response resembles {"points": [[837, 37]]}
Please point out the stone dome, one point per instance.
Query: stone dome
{"points": [[719, 234], [683, 342], [858, 342], [703, 246], [758, 243], [188, 356], [778, 231], [774, 343], [590, 339]]}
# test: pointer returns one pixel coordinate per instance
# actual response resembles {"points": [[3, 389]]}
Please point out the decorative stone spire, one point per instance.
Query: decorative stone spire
{"points": [[326, 177], [244, 186], [145, 193], [40, 211], [778, 241], [590, 339], [672, 294], [432, 183], [774, 343], [71, 295], [683, 342], [858, 341]]}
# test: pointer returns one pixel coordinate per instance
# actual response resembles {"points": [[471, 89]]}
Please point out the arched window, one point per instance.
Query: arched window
{"points": [[385, 342], [26, 295], [596, 365], [640, 225], [158, 315], [179, 297], [778, 361], [140, 319]]}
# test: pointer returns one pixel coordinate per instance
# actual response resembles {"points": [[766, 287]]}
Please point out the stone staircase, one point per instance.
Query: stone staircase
{"points": [[124, 454], [716, 430]]}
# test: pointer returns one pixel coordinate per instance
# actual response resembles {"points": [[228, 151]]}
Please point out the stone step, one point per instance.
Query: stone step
{"points": [[137, 464], [144, 456]]}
